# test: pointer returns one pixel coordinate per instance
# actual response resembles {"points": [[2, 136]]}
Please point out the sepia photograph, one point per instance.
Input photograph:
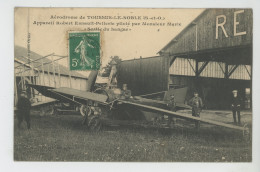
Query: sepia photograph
{"points": [[133, 84]]}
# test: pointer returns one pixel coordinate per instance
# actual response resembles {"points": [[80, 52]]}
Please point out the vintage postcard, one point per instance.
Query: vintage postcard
{"points": [[133, 84]]}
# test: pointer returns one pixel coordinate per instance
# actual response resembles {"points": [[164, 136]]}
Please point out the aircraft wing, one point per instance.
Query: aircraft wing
{"points": [[44, 90], [69, 95], [80, 95], [179, 115], [157, 103]]}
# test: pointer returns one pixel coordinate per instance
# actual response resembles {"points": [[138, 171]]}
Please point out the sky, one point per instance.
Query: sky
{"points": [[142, 40]]}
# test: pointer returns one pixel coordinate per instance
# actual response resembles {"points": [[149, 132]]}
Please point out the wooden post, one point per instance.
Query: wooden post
{"points": [[28, 51], [43, 75], [232, 70], [24, 87], [49, 75], [166, 68], [70, 79], [197, 74], [53, 70], [196, 37], [197, 69], [59, 75], [39, 75], [31, 76], [226, 70], [33, 81], [69, 75], [21, 78]]}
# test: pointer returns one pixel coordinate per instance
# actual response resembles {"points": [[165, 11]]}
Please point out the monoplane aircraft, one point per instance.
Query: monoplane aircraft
{"points": [[114, 108]]}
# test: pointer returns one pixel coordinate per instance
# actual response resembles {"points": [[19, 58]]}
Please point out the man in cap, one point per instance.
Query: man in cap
{"points": [[196, 104], [172, 107], [236, 106], [126, 94], [23, 110]]}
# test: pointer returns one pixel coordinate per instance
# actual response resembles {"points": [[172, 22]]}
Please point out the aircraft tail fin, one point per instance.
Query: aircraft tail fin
{"points": [[179, 94]]}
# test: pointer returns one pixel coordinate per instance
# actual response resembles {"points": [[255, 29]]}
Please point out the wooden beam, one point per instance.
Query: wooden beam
{"points": [[43, 72], [59, 74], [226, 71], [196, 38], [43, 75], [221, 68], [31, 77], [24, 87], [36, 68], [49, 79], [172, 60], [202, 67], [197, 68], [39, 76], [191, 66], [34, 60], [69, 74], [53, 71], [248, 71], [232, 70]]}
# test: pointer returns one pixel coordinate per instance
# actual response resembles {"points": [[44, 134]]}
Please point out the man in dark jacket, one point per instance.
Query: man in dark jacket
{"points": [[196, 104], [236, 106], [23, 110]]}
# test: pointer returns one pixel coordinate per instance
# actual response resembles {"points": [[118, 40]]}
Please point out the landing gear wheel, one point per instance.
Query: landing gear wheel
{"points": [[94, 124], [84, 110]]}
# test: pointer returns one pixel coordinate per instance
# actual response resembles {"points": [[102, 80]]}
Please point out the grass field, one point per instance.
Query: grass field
{"points": [[63, 138]]}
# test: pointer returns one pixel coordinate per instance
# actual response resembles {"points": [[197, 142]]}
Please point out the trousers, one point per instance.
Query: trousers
{"points": [[24, 115], [196, 113], [236, 113]]}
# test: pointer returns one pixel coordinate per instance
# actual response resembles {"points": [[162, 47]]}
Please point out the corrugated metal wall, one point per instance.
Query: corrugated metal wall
{"points": [[186, 67], [182, 66], [242, 72], [145, 75]]}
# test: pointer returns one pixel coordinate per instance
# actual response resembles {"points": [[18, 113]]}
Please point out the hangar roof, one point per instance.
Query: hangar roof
{"points": [[205, 34]]}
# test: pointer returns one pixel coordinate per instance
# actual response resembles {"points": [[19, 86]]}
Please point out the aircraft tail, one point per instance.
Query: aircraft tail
{"points": [[179, 94]]}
